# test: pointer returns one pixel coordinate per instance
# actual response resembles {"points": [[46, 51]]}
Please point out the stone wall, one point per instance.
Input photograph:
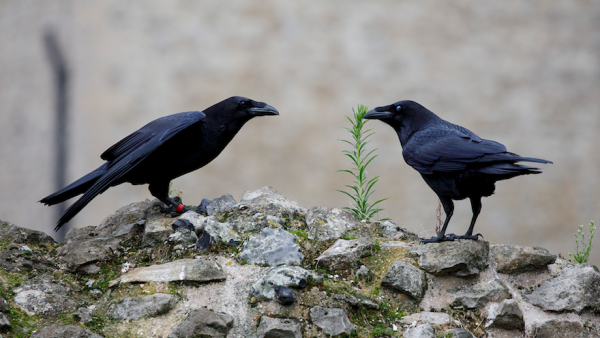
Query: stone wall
{"points": [[522, 73]]}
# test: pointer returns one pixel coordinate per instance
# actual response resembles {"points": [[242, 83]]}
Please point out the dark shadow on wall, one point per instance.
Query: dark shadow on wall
{"points": [[61, 86]]}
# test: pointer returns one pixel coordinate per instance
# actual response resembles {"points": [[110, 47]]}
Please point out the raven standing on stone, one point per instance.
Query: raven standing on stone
{"points": [[452, 160], [161, 151]]}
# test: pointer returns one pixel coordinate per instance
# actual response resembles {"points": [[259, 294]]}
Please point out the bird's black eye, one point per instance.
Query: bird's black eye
{"points": [[243, 104], [398, 108]]}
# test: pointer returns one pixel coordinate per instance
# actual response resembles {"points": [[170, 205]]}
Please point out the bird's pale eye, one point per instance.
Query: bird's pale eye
{"points": [[243, 104], [398, 108]]}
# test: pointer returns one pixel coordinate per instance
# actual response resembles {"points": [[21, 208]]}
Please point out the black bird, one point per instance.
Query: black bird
{"points": [[452, 160], [161, 151]]}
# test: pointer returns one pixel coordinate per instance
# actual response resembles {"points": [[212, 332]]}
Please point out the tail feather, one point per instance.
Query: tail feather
{"points": [[76, 188], [503, 171]]}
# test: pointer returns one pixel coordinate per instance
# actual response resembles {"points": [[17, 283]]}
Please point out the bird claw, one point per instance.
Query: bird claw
{"points": [[438, 239], [201, 209], [472, 237], [171, 210]]}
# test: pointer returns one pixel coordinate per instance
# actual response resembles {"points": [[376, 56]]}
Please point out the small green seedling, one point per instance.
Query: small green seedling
{"points": [[583, 255]]}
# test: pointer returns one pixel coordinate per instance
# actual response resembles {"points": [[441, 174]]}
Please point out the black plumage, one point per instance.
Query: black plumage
{"points": [[163, 150], [452, 160]]}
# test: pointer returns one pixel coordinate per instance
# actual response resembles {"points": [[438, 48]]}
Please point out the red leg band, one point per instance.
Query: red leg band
{"points": [[179, 208]]}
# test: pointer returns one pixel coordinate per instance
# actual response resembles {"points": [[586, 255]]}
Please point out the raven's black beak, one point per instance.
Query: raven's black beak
{"points": [[379, 113], [262, 109]]}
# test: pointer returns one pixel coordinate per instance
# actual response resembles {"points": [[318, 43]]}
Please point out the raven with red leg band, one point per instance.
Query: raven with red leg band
{"points": [[161, 151]]}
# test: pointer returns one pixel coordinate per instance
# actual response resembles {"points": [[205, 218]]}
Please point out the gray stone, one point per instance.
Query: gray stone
{"points": [[203, 323], [390, 230], [11, 233], [157, 230], [421, 331], [357, 301], [345, 255], [433, 318], [222, 232], [268, 200], [325, 224], [274, 246], [332, 321], [220, 204], [288, 276], [183, 236], [82, 250], [557, 328], [42, 295], [4, 323], [87, 231], [577, 289], [407, 279], [134, 308], [458, 258], [284, 295], [364, 274], [19, 257], [89, 268], [278, 328], [515, 258], [4, 305], [460, 333], [506, 315], [129, 221], [67, 331], [187, 270], [84, 313], [478, 295]]}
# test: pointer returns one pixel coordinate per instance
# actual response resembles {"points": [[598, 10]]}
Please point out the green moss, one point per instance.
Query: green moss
{"points": [[299, 233]]}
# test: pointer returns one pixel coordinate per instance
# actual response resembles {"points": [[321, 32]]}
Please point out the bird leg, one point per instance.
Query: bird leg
{"points": [[441, 237], [161, 191], [476, 207]]}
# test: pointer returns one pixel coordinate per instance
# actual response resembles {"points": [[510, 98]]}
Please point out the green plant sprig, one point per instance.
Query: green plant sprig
{"points": [[363, 187], [583, 255]]}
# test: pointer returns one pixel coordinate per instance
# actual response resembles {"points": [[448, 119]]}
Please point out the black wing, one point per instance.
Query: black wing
{"points": [[130, 151], [448, 151]]}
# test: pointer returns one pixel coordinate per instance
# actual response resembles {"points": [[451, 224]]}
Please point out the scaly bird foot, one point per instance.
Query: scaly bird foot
{"points": [[473, 237], [438, 239], [174, 211]]}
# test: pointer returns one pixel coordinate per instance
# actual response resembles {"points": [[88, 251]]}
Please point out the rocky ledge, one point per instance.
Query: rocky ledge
{"points": [[267, 267]]}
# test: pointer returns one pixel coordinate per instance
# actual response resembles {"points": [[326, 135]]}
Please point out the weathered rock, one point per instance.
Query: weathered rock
{"points": [[288, 276], [364, 274], [515, 258], [203, 323], [577, 289], [407, 279], [460, 333], [345, 255], [506, 315], [4, 323], [84, 313], [87, 231], [559, 329], [128, 221], [421, 331], [157, 230], [332, 321], [278, 328], [220, 204], [187, 270], [478, 295], [134, 308], [325, 224], [183, 236], [84, 249], [390, 230], [268, 200], [11, 233], [90, 268], [458, 258], [67, 331], [4, 305], [358, 300], [19, 257], [433, 318], [274, 246], [42, 295], [222, 232]]}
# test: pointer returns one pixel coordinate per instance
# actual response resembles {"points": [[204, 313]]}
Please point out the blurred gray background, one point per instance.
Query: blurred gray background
{"points": [[523, 73]]}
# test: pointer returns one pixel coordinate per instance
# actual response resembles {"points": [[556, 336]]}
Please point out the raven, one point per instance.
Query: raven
{"points": [[161, 151], [452, 160]]}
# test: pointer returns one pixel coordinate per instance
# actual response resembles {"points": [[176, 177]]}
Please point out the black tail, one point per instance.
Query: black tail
{"points": [[76, 188]]}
